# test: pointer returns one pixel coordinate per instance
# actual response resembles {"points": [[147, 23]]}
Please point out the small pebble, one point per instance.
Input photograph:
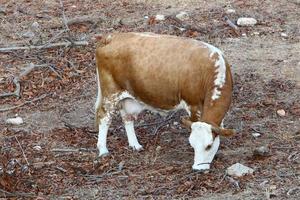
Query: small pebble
{"points": [[284, 35], [2, 10], [182, 15], [230, 11], [256, 135], [35, 25], [37, 148], [28, 34], [261, 151], [160, 18], [246, 21], [281, 112], [15, 121]]}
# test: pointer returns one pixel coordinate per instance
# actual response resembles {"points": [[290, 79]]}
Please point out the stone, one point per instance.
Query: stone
{"points": [[284, 35], [2, 10], [239, 170], [256, 135], [28, 34], [160, 17], [182, 15], [37, 148], [35, 25], [246, 21], [261, 151], [15, 121], [230, 11], [281, 112]]}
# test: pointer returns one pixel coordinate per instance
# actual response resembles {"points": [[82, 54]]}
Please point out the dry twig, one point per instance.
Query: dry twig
{"points": [[22, 104], [53, 45], [24, 155], [65, 21], [16, 194], [232, 25], [16, 81]]}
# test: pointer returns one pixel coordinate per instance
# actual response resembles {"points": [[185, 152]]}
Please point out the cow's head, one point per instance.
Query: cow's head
{"points": [[205, 140]]}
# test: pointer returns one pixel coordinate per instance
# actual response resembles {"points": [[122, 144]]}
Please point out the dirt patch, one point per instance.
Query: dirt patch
{"points": [[58, 139]]}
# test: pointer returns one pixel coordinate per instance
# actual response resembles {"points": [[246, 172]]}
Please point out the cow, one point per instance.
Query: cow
{"points": [[138, 71]]}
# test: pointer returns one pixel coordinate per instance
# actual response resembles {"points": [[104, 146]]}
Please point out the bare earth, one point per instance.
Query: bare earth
{"points": [[53, 154]]}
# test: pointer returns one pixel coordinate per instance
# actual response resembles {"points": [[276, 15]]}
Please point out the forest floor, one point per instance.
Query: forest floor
{"points": [[53, 154]]}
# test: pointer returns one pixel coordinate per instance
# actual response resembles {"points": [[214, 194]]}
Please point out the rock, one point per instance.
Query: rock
{"points": [[281, 112], [35, 25], [284, 35], [160, 17], [37, 148], [175, 123], [246, 21], [244, 34], [256, 135], [261, 151], [239, 170], [182, 15], [15, 121], [230, 11], [2, 10], [28, 34]]}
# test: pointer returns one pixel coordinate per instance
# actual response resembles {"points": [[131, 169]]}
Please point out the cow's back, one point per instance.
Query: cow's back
{"points": [[159, 70]]}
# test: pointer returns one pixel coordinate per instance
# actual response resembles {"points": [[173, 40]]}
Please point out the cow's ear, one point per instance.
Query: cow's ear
{"points": [[186, 122], [223, 131]]}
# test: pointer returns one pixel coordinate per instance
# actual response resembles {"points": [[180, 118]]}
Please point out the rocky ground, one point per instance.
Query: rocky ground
{"points": [[52, 154]]}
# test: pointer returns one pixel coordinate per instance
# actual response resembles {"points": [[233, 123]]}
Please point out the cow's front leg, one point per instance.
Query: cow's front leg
{"points": [[130, 109]]}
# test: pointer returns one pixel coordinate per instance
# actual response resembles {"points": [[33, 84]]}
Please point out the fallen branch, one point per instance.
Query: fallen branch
{"points": [[63, 15], [232, 25], [24, 155], [183, 25], [16, 81], [22, 104], [69, 150], [16, 194], [54, 45]]}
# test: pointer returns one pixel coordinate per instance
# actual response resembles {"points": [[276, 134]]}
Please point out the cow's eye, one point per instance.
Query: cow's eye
{"points": [[208, 147]]}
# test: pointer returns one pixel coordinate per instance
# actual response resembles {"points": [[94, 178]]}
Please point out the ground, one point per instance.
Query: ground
{"points": [[53, 154]]}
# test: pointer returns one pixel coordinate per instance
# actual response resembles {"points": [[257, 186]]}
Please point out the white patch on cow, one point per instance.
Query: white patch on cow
{"points": [[220, 70], [205, 147], [184, 105], [102, 136], [99, 95], [148, 34], [222, 124]]}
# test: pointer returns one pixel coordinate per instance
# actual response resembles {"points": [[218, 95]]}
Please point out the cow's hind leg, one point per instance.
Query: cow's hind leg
{"points": [[104, 122], [129, 111]]}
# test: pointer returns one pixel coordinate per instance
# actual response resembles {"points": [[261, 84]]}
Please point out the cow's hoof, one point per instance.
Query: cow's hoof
{"points": [[103, 152], [137, 147], [201, 168]]}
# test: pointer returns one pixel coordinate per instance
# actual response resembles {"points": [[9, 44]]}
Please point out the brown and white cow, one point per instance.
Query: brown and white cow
{"points": [[138, 71]]}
